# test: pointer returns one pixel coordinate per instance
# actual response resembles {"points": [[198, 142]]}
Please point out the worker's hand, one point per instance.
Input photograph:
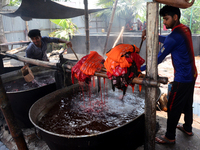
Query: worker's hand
{"points": [[69, 44], [143, 35]]}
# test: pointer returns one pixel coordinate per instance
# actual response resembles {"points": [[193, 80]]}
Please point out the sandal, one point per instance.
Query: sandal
{"points": [[164, 140], [180, 127]]}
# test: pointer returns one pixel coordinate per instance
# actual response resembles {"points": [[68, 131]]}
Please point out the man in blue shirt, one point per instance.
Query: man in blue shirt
{"points": [[37, 48], [179, 44]]}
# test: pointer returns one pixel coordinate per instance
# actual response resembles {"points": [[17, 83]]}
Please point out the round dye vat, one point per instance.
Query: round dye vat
{"points": [[76, 122], [85, 113], [22, 95], [20, 84]]}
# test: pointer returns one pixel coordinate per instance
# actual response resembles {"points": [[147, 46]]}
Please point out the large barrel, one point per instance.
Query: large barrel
{"points": [[21, 101], [130, 135]]}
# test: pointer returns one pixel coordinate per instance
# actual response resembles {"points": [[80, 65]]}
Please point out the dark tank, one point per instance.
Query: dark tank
{"points": [[78, 118], [22, 95]]}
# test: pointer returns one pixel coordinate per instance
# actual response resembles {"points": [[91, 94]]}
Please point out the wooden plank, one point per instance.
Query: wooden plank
{"points": [[15, 43], [152, 71], [16, 50]]}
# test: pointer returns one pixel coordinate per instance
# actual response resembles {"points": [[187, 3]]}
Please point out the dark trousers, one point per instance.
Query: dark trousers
{"points": [[180, 101]]}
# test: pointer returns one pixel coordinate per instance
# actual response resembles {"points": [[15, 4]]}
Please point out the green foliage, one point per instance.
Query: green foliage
{"points": [[67, 29], [126, 9], [15, 2], [191, 17]]}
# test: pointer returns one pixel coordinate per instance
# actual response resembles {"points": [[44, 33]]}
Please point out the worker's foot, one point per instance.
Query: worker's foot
{"points": [[180, 127], [164, 140]]}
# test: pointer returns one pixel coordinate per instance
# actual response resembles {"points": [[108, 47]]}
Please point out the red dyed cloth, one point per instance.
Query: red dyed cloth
{"points": [[76, 72], [122, 75], [118, 71], [137, 58], [87, 66], [93, 63]]}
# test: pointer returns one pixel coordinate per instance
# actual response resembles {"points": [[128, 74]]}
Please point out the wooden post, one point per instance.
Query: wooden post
{"points": [[152, 71], [2, 39], [87, 43], [27, 30], [14, 129], [110, 25]]}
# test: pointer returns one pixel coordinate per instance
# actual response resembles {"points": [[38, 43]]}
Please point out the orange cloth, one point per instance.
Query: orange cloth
{"points": [[92, 64], [114, 56]]}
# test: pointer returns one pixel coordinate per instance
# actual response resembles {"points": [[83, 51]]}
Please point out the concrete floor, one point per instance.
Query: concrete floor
{"points": [[183, 142]]}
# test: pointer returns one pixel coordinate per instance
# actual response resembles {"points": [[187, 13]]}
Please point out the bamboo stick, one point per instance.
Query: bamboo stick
{"points": [[74, 53], [110, 25], [120, 34], [39, 62]]}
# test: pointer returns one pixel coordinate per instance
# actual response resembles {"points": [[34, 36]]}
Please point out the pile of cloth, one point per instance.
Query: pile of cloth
{"points": [[87, 66], [123, 64]]}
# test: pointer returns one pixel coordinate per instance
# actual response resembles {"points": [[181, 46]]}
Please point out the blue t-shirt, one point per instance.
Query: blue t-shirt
{"points": [[179, 44], [34, 52]]}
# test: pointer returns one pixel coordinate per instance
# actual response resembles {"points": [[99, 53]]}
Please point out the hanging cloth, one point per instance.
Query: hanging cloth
{"points": [[93, 63]]}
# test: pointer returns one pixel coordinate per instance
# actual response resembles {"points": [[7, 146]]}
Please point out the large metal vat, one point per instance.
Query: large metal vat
{"points": [[128, 136], [21, 101]]}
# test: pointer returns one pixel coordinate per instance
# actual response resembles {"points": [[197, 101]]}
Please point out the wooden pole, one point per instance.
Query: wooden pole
{"points": [[2, 40], [110, 25], [152, 71], [27, 30], [120, 34], [39, 62], [87, 43], [14, 129]]}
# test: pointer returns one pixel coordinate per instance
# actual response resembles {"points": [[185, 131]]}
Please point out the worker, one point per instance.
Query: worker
{"points": [[37, 48], [179, 44]]}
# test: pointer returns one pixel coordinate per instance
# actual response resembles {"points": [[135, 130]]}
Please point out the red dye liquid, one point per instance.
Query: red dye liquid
{"points": [[21, 84], [100, 89], [93, 81], [68, 117]]}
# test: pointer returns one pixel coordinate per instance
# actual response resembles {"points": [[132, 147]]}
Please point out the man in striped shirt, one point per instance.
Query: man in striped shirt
{"points": [[37, 48]]}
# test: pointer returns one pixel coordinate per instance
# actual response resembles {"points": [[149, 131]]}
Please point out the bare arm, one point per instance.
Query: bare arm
{"points": [[69, 44]]}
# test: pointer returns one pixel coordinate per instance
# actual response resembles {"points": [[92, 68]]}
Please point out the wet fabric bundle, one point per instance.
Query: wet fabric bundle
{"points": [[87, 66], [122, 65]]}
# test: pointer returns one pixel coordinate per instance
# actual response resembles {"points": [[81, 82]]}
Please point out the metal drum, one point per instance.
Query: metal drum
{"points": [[21, 101]]}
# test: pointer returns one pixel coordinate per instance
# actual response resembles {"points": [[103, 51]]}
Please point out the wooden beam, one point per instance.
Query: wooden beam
{"points": [[15, 43], [87, 43], [110, 25], [152, 71]]}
